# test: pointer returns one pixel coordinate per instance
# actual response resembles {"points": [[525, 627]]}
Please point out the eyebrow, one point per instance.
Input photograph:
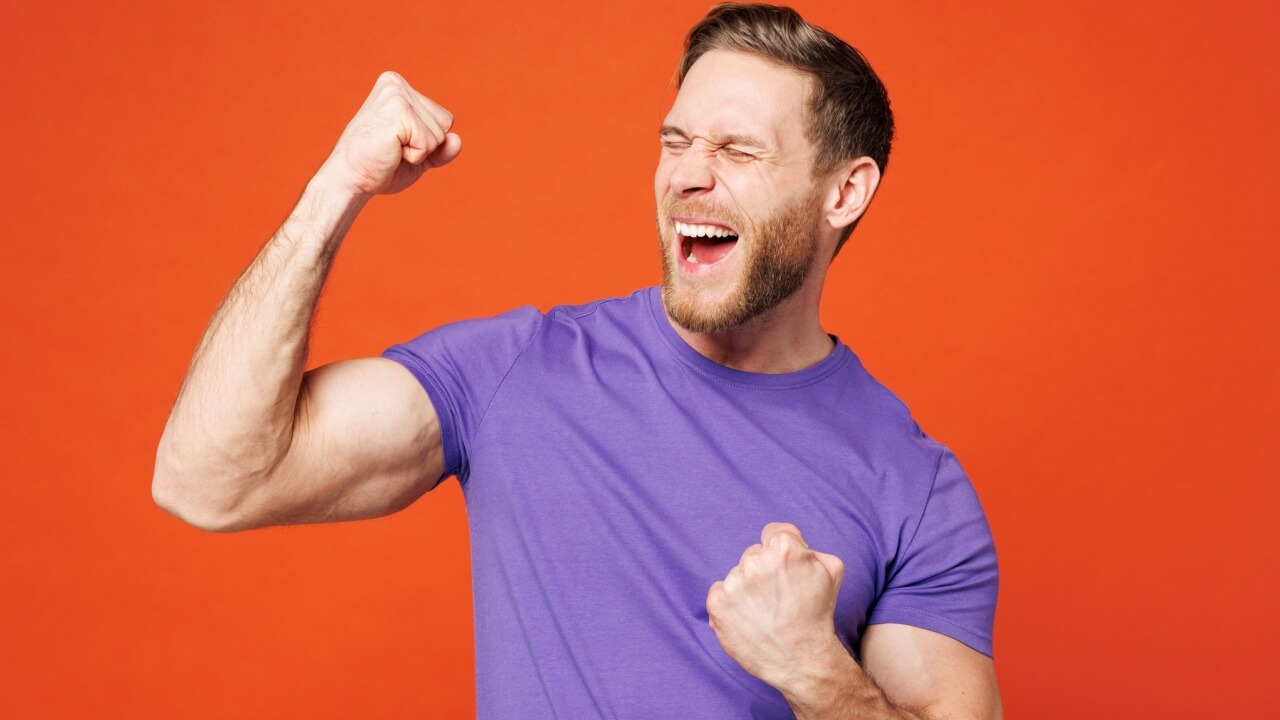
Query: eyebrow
{"points": [[723, 139]]}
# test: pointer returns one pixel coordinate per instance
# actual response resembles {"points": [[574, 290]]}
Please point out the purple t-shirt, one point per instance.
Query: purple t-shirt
{"points": [[612, 474]]}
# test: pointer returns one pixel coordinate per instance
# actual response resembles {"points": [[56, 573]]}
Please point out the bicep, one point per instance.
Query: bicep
{"points": [[366, 443], [930, 673]]}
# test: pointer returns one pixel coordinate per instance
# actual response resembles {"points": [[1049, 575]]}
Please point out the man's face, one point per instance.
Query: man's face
{"points": [[738, 209]]}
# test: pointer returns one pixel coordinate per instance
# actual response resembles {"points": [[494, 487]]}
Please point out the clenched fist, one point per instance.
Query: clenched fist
{"points": [[394, 137], [774, 612]]}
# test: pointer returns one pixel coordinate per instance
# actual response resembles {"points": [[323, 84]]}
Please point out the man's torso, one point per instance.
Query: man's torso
{"points": [[612, 475]]}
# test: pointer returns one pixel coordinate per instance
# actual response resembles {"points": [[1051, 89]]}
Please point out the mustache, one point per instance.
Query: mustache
{"points": [[675, 206]]}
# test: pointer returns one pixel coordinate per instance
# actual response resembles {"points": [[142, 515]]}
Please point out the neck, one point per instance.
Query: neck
{"points": [[785, 339]]}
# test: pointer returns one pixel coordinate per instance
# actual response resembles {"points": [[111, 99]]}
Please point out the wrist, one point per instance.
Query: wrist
{"points": [[331, 191], [822, 682], [324, 213]]}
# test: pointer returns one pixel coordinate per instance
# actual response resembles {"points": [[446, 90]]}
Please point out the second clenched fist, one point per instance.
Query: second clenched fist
{"points": [[774, 612], [395, 136]]}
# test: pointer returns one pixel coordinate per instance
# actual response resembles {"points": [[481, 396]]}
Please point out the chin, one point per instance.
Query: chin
{"points": [[764, 269], [700, 307]]}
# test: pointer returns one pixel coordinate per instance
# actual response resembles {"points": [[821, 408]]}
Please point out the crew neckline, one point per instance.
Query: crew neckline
{"points": [[705, 366]]}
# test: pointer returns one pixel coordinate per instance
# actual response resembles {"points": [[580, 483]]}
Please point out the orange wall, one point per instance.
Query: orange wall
{"points": [[1069, 276]]}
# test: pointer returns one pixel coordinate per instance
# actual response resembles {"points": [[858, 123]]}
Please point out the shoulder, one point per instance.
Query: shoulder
{"points": [[879, 423], [624, 309], [471, 349], [608, 321]]}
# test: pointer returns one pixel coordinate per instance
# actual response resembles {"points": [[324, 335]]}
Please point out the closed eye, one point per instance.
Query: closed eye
{"points": [[737, 154]]}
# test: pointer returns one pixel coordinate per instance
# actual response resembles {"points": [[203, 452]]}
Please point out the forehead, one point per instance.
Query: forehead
{"points": [[734, 93]]}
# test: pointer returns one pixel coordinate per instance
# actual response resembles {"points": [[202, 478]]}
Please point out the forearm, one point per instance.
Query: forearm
{"points": [[835, 687], [233, 419]]}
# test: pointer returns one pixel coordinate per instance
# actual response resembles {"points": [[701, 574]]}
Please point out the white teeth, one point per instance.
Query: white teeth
{"points": [[691, 258], [690, 230]]}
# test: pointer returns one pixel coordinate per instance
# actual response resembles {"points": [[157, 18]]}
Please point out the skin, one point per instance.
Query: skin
{"points": [[731, 95], [773, 612], [254, 441]]}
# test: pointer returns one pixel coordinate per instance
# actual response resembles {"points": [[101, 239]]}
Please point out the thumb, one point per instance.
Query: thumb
{"points": [[446, 151]]}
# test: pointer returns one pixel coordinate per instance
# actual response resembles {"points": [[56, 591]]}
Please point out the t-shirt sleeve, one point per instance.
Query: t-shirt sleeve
{"points": [[946, 580], [462, 366]]}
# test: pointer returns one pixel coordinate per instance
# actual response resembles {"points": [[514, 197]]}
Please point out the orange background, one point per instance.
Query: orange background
{"points": [[1068, 275]]}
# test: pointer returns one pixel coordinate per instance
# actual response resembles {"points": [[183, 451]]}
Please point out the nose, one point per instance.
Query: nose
{"points": [[692, 172]]}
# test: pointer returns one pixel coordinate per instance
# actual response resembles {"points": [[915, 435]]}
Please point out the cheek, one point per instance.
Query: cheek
{"points": [[751, 193], [661, 179], [751, 207]]}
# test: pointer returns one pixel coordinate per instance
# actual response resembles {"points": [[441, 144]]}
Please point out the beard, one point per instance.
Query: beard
{"points": [[778, 259]]}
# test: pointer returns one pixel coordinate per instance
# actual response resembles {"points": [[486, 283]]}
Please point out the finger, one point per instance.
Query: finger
{"points": [[431, 108], [392, 88], [416, 138], [732, 582], [713, 594], [427, 107], [749, 552], [387, 78], [446, 151], [390, 77], [715, 601], [419, 136], [774, 529], [833, 564]]}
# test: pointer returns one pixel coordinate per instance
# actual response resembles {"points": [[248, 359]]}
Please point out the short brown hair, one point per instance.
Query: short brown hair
{"points": [[848, 113]]}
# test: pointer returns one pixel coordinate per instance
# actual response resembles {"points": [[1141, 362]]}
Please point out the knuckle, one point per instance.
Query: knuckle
{"points": [[715, 597], [398, 101], [732, 580], [396, 105], [754, 557], [834, 565], [774, 529], [781, 544]]}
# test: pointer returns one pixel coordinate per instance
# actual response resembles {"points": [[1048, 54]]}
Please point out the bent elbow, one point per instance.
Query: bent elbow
{"points": [[187, 496]]}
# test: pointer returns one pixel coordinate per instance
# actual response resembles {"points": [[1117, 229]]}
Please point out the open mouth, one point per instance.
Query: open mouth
{"points": [[704, 244]]}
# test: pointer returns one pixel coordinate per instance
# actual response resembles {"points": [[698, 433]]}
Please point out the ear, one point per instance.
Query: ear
{"points": [[854, 184]]}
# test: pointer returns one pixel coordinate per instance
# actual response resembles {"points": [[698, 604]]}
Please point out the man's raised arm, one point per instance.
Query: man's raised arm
{"points": [[253, 440]]}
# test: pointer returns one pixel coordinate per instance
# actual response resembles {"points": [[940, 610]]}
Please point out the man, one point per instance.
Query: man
{"points": [[618, 458]]}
